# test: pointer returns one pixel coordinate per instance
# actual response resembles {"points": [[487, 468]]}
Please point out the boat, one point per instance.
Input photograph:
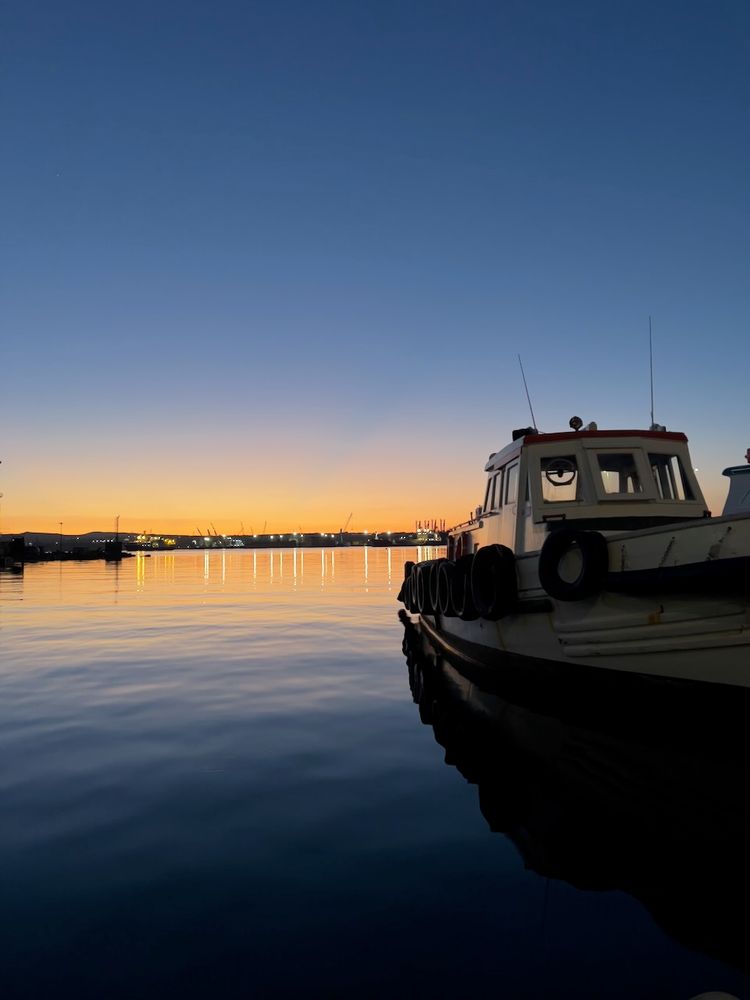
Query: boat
{"points": [[738, 498], [603, 802], [594, 552]]}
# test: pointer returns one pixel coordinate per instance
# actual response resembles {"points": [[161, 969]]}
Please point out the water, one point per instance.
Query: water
{"points": [[215, 782]]}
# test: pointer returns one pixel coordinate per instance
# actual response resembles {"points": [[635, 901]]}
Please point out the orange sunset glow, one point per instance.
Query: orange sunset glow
{"points": [[304, 471], [289, 488], [311, 489]]}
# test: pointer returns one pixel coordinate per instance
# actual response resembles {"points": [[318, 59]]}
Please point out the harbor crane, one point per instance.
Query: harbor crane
{"points": [[346, 524]]}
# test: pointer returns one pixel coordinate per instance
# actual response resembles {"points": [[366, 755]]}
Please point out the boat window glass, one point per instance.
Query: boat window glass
{"points": [[488, 493], [511, 483], [670, 478], [560, 479], [619, 473], [497, 491]]}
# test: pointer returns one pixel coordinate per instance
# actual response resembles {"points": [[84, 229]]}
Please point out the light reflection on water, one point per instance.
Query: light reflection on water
{"points": [[213, 782]]}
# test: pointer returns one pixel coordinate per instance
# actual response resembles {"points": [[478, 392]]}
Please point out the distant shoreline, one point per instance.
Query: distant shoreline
{"points": [[52, 544]]}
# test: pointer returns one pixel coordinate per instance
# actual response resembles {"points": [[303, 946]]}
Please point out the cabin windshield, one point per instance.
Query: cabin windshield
{"points": [[670, 478], [559, 479], [611, 476], [619, 473]]}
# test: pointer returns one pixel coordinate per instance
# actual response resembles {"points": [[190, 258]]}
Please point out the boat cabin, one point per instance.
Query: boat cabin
{"points": [[738, 499], [606, 480]]}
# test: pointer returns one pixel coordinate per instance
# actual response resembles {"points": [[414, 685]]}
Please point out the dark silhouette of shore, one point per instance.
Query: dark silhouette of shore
{"points": [[32, 546]]}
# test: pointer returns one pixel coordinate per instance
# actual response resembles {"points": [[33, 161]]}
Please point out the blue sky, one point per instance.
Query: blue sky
{"points": [[327, 229]]}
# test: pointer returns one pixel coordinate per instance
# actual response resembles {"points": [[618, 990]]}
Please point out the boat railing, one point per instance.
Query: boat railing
{"points": [[464, 524]]}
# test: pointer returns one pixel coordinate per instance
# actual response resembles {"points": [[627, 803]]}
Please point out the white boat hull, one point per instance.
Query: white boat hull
{"points": [[676, 605], [710, 644]]}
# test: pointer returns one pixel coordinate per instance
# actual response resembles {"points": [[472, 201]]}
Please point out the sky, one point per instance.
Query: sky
{"points": [[273, 262]]}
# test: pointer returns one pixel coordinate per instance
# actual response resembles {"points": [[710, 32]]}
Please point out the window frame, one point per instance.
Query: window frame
{"points": [[642, 467], [507, 469], [488, 494], [498, 481], [545, 459], [687, 483], [493, 494]]}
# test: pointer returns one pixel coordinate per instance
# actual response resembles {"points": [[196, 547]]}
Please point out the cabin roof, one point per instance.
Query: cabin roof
{"points": [[512, 450], [592, 435]]}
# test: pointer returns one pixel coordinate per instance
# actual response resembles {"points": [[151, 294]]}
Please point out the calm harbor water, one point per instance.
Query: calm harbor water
{"points": [[215, 781]]}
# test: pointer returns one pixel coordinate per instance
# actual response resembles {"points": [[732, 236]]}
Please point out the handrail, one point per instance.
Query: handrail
{"points": [[463, 524]]}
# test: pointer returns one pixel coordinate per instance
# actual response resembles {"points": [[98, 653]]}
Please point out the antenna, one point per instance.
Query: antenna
{"points": [[651, 368], [528, 397]]}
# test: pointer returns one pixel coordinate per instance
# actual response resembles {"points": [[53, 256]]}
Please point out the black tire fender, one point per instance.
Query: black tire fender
{"points": [[403, 594], [434, 576], [446, 572], [463, 603], [464, 546], [424, 602], [594, 564], [494, 585], [410, 591]]}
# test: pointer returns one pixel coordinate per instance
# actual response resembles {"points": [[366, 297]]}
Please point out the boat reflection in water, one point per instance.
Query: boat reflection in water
{"points": [[608, 795]]}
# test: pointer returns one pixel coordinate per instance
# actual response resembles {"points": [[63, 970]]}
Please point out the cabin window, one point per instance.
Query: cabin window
{"points": [[670, 478], [619, 473], [497, 491], [559, 479], [493, 497], [511, 483], [488, 493]]}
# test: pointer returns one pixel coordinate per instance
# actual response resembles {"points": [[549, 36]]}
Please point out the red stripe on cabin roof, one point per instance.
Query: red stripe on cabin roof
{"points": [[589, 435]]}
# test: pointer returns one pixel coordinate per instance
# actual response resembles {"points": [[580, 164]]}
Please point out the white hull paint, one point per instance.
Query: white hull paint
{"points": [[714, 648], [700, 635]]}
